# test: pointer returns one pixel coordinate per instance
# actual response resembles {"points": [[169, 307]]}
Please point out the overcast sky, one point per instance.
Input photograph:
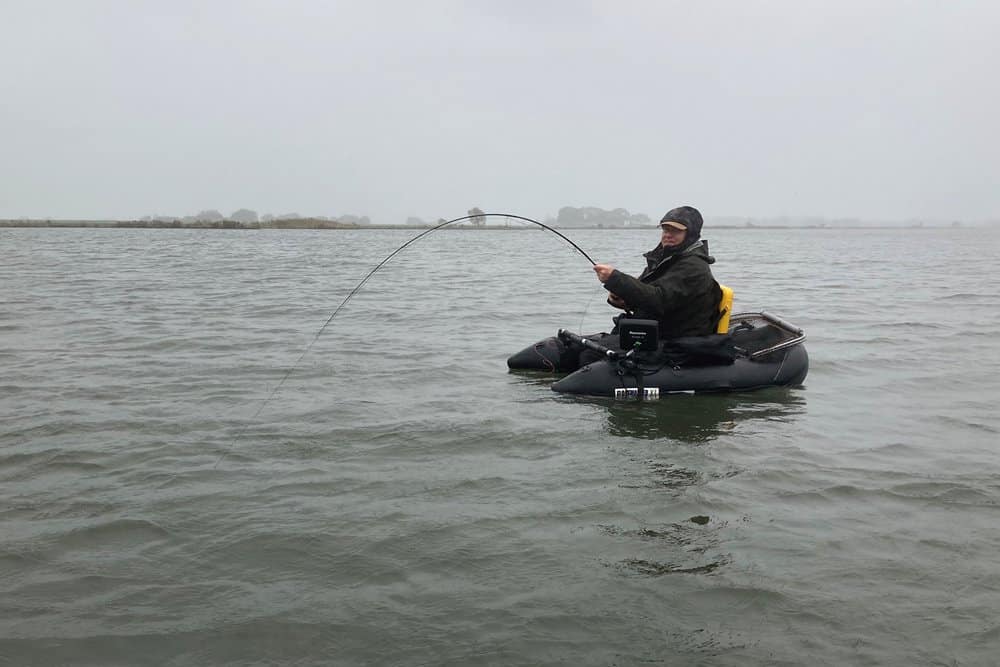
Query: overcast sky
{"points": [[876, 110]]}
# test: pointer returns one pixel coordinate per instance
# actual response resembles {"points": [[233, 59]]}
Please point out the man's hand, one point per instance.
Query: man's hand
{"points": [[617, 301], [603, 271]]}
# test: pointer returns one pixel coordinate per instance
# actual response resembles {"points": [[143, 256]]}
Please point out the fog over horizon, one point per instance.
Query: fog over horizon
{"points": [[874, 111]]}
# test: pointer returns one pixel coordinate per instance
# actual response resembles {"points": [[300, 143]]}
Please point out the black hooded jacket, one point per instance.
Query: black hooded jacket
{"points": [[676, 289]]}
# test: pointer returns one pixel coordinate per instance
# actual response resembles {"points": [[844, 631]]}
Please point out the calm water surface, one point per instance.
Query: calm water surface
{"points": [[402, 499]]}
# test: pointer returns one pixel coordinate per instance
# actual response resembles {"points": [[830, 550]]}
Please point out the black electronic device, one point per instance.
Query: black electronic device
{"points": [[640, 335]]}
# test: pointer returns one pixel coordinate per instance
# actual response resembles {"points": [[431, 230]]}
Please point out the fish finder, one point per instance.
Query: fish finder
{"points": [[640, 335]]}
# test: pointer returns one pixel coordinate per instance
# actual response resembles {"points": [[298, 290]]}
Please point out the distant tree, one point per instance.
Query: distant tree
{"points": [[413, 220], [244, 215], [569, 216], [617, 217], [592, 216], [478, 216], [211, 215]]}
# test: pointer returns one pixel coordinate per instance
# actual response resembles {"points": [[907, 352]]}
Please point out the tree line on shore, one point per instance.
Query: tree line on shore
{"points": [[567, 217], [247, 216]]}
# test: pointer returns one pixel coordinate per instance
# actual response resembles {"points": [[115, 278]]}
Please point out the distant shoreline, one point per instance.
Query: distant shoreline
{"points": [[328, 224]]}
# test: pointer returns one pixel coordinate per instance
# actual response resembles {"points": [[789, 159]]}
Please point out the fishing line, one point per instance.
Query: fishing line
{"points": [[586, 308], [371, 273]]}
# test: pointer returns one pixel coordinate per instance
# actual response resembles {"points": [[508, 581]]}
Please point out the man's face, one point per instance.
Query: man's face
{"points": [[671, 237]]}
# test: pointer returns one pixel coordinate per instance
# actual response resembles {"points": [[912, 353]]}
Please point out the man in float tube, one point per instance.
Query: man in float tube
{"points": [[676, 288]]}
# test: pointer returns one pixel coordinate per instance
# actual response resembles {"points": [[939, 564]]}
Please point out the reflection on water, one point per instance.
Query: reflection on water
{"points": [[691, 418], [532, 377], [661, 476], [697, 418]]}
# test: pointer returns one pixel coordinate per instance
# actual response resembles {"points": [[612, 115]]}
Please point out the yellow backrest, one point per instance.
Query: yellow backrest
{"points": [[725, 309]]}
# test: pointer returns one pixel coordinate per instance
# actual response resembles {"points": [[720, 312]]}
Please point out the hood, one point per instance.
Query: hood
{"points": [[688, 216]]}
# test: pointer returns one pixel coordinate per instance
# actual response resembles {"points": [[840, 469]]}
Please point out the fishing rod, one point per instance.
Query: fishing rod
{"points": [[371, 273], [434, 229]]}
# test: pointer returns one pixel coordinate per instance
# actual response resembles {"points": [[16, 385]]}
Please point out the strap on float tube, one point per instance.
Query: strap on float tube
{"points": [[379, 266]]}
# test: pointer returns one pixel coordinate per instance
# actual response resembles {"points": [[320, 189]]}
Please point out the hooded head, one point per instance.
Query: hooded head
{"points": [[684, 217]]}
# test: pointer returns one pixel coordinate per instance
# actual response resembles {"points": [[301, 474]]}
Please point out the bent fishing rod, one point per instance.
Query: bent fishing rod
{"points": [[371, 273], [434, 229]]}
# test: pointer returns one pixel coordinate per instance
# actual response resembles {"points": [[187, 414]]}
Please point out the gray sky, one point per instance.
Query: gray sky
{"points": [[876, 110]]}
